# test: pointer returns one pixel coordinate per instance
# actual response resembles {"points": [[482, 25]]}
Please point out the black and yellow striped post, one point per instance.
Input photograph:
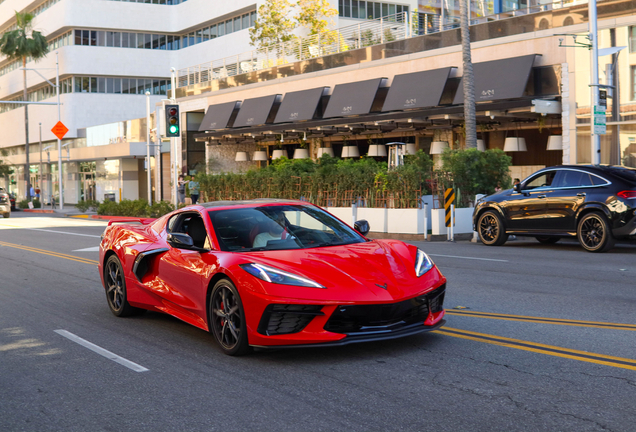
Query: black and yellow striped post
{"points": [[449, 199]]}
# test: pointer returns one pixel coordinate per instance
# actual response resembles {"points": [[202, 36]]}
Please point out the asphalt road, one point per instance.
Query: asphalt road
{"points": [[512, 357]]}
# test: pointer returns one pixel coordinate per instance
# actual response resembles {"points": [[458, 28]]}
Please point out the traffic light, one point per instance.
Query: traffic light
{"points": [[172, 121]]}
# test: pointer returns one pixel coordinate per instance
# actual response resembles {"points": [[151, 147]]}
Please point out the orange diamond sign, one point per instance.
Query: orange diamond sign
{"points": [[59, 130]]}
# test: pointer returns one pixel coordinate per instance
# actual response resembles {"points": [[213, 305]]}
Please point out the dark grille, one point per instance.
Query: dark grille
{"points": [[285, 319], [385, 317]]}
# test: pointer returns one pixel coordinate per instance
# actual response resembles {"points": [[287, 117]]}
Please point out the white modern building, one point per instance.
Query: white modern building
{"points": [[110, 54]]}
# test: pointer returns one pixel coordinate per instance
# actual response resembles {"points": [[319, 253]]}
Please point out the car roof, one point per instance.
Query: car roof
{"points": [[253, 202]]}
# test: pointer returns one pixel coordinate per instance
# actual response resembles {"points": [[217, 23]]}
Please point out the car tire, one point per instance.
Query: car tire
{"points": [[6, 215], [227, 319], [594, 233], [115, 286], [491, 230], [547, 239]]}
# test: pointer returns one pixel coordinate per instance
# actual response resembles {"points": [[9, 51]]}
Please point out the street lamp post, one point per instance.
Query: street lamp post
{"points": [[148, 147], [173, 142], [40, 172], [596, 138]]}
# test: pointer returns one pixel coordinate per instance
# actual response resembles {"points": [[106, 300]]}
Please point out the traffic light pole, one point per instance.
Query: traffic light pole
{"points": [[173, 143]]}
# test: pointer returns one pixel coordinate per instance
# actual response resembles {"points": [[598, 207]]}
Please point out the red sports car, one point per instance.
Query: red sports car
{"points": [[271, 273]]}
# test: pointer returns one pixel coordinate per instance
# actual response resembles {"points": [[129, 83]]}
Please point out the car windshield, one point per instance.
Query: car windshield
{"points": [[279, 227]]}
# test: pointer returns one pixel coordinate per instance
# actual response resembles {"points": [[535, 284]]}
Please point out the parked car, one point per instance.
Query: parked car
{"points": [[594, 203], [5, 203], [271, 273]]}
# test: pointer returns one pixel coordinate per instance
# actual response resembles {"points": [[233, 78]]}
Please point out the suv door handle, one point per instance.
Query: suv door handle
{"points": [[582, 194], [542, 196]]}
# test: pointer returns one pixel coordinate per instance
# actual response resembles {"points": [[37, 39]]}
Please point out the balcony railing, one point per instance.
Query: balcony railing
{"points": [[366, 33]]}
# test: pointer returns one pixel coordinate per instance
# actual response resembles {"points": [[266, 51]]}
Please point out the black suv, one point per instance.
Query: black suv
{"points": [[595, 203]]}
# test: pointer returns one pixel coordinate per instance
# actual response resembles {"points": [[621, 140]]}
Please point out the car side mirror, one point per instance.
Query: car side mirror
{"points": [[362, 226], [180, 241], [517, 187]]}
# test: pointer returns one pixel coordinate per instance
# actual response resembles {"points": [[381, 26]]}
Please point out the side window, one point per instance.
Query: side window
{"points": [[570, 178], [541, 180], [597, 181]]}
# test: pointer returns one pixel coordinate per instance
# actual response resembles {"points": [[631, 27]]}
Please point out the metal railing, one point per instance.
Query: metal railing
{"points": [[366, 33]]}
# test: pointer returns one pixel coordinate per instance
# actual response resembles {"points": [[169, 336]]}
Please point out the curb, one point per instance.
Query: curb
{"points": [[37, 211]]}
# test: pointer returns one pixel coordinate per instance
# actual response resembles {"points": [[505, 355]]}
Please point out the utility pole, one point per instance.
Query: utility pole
{"points": [[596, 111], [41, 185], [59, 141], [470, 125]]}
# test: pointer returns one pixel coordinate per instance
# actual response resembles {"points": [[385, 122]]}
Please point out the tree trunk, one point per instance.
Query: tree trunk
{"points": [[468, 79], [27, 167]]}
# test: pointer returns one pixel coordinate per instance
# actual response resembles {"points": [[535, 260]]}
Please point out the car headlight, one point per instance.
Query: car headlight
{"points": [[422, 263], [277, 276]]}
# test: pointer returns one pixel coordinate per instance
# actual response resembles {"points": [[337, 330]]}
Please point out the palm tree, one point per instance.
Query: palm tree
{"points": [[468, 78], [17, 45]]}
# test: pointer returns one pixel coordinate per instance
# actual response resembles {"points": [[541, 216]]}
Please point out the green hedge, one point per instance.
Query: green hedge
{"points": [[134, 208]]}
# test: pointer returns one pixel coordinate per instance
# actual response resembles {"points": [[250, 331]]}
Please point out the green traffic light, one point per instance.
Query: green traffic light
{"points": [[174, 129]]}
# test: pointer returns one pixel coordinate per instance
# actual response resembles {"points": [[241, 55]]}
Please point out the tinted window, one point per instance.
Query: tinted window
{"points": [[542, 180], [568, 178], [597, 180]]}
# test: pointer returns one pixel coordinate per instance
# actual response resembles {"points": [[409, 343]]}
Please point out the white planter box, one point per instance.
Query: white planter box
{"points": [[463, 221], [405, 221], [377, 218]]}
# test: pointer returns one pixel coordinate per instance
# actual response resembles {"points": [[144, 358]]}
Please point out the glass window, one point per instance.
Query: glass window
{"points": [[347, 8], [117, 39], [632, 38], [391, 9], [124, 40], [199, 36], [162, 89], [633, 92], [541, 180], [93, 85], [101, 85], [252, 18], [78, 84], [246, 21], [370, 10], [206, 34], [184, 41], [176, 44], [191, 39], [101, 38], [162, 42], [117, 85], [110, 85], [354, 8], [85, 37], [124, 86], [93, 38], [78, 37], [398, 9], [132, 40], [148, 41], [109, 39], [405, 9], [155, 87], [213, 31], [221, 29], [362, 9], [140, 40], [147, 86], [228, 26], [385, 9], [85, 85], [155, 41], [568, 178], [377, 10], [340, 7], [237, 24]]}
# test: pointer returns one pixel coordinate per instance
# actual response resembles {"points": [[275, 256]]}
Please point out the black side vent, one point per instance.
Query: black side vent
{"points": [[142, 262], [286, 319]]}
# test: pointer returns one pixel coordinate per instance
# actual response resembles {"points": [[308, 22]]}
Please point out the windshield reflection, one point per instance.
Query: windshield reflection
{"points": [[282, 227]]}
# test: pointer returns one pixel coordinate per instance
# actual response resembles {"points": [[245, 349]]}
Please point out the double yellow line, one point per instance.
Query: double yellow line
{"points": [[49, 253], [552, 350]]}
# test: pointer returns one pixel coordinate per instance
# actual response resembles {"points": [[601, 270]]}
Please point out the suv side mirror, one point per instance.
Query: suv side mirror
{"points": [[362, 226], [517, 187], [180, 241]]}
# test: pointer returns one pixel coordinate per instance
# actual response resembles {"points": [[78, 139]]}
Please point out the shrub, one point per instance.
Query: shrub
{"points": [[158, 209], [109, 208], [24, 204], [37, 203]]}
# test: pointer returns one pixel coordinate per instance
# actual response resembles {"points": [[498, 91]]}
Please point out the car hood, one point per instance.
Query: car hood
{"points": [[379, 270]]}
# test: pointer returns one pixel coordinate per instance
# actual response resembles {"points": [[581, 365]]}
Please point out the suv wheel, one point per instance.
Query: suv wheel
{"points": [[594, 233], [491, 230]]}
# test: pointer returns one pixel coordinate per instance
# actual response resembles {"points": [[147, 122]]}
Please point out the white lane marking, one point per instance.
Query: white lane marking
{"points": [[101, 351], [470, 258], [89, 249], [63, 232]]}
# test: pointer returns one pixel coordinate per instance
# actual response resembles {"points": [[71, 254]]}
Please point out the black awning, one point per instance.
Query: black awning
{"points": [[257, 111], [417, 90], [499, 79], [356, 98], [220, 116], [301, 105]]}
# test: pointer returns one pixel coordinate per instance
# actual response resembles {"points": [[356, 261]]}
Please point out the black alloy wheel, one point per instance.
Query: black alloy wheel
{"points": [[547, 239], [491, 230], [227, 319], [594, 233], [115, 285]]}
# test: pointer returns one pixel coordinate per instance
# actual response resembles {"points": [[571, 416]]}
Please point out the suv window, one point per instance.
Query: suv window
{"points": [[571, 178], [541, 180]]}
